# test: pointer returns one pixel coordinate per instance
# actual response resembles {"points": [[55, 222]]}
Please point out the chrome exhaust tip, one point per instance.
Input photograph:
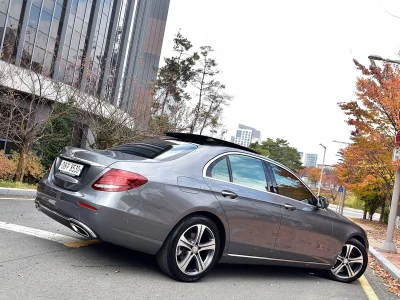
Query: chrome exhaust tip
{"points": [[82, 229], [79, 230]]}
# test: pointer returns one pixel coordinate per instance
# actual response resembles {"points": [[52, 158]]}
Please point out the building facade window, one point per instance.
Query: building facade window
{"points": [[10, 24], [119, 36], [116, 55], [42, 35], [75, 42], [101, 41]]}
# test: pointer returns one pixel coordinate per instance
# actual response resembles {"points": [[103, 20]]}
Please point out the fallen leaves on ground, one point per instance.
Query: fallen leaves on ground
{"points": [[392, 284], [377, 232]]}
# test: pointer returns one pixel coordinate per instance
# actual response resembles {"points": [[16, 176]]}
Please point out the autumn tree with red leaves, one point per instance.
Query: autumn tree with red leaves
{"points": [[366, 164], [331, 183]]}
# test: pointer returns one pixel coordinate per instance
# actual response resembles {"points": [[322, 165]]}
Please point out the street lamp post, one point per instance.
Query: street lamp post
{"points": [[343, 189], [322, 171], [388, 244], [377, 57], [334, 141]]}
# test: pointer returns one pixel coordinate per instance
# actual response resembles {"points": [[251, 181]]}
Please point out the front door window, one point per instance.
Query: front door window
{"points": [[291, 187]]}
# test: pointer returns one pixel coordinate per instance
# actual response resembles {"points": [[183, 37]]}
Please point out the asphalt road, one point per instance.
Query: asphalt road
{"points": [[36, 268], [353, 213]]}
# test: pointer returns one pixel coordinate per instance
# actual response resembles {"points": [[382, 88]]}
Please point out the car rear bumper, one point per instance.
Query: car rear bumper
{"points": [[122, 221], [68, 221]]}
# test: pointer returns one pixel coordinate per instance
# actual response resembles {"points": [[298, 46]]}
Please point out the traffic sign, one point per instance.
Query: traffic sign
{"points": [[340, 190], [398, 138], [396, 157]]}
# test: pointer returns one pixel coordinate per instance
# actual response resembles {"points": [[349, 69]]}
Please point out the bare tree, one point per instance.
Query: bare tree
{"points": [[106, 125], [26, 107], [215, 101]]}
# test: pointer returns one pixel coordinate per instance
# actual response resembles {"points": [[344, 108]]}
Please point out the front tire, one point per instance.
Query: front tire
{"points": [[351, 262], [191, 250]]}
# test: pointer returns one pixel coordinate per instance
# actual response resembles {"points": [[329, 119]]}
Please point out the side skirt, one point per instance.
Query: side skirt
{"points": [[256, 260]]}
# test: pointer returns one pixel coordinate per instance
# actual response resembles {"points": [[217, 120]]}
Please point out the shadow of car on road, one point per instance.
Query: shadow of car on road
{"points": [[108, 255]]}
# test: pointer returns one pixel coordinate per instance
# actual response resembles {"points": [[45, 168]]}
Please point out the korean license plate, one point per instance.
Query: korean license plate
{"points": [[70, 168]]}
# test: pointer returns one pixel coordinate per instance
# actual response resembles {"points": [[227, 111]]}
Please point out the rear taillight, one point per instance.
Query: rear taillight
{"points": [[118, 181]]}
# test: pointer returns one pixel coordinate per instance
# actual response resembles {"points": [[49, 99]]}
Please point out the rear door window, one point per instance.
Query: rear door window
{"points": [[248, 171], [219, 169]]}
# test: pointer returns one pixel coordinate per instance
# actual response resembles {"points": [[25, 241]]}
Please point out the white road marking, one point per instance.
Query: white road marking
{"points": [[18, 199], [47, 235]]}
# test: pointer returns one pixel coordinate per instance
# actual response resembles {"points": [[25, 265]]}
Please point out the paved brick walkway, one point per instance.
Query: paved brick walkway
{"points": [[376, 235]]}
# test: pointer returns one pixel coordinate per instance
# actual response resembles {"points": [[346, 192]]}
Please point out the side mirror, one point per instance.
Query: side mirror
{"points": [[322, 202]]}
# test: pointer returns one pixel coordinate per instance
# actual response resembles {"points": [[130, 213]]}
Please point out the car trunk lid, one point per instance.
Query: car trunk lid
{"points": [[75, 168]]}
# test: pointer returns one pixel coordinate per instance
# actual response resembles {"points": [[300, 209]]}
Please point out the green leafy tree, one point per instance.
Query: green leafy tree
{"points": [[172, 80], [61, 130], [215, 101], [280, 151], [370, 196], [205, 84]]}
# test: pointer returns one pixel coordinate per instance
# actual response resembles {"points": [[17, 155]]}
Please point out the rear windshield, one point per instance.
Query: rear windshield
{"points": [[160, 149]]}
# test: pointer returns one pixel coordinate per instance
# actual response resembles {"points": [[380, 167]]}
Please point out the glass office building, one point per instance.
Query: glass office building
{"points": [[107, 48]]}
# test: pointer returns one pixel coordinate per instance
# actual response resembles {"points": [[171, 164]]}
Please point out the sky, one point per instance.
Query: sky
{"points": [[288, 63]]}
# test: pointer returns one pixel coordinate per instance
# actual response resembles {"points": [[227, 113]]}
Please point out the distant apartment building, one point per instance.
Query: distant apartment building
{"points": [[246, 135], [311, 160]]}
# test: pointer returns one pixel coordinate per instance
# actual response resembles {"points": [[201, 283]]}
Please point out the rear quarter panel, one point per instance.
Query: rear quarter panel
{"points": [[175, 189]]}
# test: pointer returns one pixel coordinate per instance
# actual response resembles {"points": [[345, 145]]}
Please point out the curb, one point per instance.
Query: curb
{"points": [[17, 192], [385, 263]]}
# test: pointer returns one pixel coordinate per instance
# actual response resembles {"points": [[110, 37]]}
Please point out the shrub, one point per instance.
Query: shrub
{"points": [[7, 167], [34, 169]]}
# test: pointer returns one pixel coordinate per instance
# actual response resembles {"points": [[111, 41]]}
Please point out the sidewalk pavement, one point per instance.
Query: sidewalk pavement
{"points": [[13, 193], [376, 233]]}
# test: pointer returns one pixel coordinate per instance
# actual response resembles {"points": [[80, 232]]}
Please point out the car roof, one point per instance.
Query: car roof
{"points": [[206, 140]]}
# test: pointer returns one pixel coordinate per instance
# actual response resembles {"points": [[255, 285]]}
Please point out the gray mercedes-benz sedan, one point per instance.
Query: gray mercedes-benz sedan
{"points": [[193, 201]]}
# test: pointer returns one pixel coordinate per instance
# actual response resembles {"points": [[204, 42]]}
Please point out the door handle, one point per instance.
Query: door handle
{"points": [[289, 207], [229, 194]]}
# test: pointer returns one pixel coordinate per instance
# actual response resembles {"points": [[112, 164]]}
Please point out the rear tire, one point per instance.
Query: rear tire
{"points": [[351, 262], [191, 249]]}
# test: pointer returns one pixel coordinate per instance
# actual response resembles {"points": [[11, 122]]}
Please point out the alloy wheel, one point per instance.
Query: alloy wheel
{"points": [[349, 262], [195, 249]]}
